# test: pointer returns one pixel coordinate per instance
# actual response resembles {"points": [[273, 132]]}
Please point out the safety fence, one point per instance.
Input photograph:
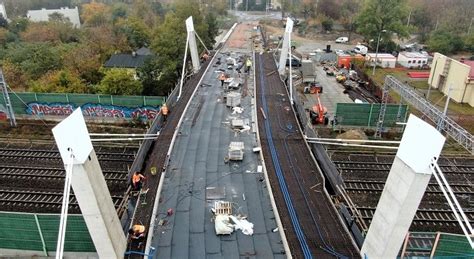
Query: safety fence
{"points": [[367, 114], [39, 232], [436, 245], [92, 105]]}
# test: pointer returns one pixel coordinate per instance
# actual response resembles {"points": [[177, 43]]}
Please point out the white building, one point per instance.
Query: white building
{"points": [[3, 11], [43, 15], [455, 77], [412, 59], [384, 60]]}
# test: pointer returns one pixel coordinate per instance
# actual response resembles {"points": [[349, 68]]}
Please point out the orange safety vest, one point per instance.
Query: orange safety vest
{"points": [[164, 110], [136, 178]]}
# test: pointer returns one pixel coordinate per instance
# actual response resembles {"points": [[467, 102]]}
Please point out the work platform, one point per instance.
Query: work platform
{"points": [[200, 173]]}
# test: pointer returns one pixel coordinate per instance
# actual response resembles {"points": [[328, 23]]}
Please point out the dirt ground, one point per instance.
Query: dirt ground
{"points": [[240, 36]]}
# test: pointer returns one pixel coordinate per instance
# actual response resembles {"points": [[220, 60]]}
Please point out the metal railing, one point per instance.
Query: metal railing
{"points": [[454, 130]]}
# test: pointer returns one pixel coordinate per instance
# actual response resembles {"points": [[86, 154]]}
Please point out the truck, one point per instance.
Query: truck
{"points": [[308, 71], [308, 77]]}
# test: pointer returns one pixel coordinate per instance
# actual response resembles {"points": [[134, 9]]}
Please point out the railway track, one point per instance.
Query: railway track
{"points": [[20, 200], [423, 216], [381, 166], [50, 173], [313, 227], [54, 154], [377, 187]]}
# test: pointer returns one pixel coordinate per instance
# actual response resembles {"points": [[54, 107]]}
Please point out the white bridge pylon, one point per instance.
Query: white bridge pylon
{"points": [[191, 43], [286, 48], [90, 189], [286, 54]]}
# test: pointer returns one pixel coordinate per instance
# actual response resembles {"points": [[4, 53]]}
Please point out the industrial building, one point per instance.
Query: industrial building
{"points": [[383, 60], [412, 59], [448, 73]]}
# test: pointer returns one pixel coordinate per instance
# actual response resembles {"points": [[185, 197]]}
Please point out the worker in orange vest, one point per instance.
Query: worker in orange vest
{"points": [[204, 57], [222, 77], [164, 111], [137, 235], [137, 181]]}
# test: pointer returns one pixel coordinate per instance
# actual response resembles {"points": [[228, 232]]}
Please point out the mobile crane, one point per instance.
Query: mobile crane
{"points": [[318, 114]]}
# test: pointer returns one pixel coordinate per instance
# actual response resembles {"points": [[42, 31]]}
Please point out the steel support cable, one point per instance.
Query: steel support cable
{"points": [[451, 198], [281, 180]]}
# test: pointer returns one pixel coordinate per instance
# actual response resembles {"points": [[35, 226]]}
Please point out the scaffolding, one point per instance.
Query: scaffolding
{"points": [[6, 97], [444, 123]]}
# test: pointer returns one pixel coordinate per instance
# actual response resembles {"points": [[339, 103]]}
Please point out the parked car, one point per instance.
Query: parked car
{"points": [[342, 40], [361, 49]]}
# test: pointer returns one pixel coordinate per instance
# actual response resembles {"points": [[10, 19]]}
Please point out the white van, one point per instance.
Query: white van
{"points": [[361, 49], [342, 40]]}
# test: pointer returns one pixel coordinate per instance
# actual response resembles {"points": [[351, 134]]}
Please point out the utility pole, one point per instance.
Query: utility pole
{"points": [[445, 111], [377, 51]]}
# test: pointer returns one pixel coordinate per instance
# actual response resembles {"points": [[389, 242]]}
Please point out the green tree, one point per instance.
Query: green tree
{"points": [[58, 17], [445, 42], [213, 28], [149, 75], [60, 81], [84, 61], [35, 59], [170, 39], [95, 14], [469, 42], [327, 24], [379, 15], [169, 43], [119, 11], [120, 82], [422, 20], [18, 25], [137, 33]]}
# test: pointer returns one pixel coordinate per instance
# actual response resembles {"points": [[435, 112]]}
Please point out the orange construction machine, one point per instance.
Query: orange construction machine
{"points": [[318, 114]]}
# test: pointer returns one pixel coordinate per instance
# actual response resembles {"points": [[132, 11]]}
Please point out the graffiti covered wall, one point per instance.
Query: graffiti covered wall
{"points": [[93, 110]]}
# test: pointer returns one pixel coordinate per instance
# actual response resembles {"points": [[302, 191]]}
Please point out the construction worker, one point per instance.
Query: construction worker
{"points": [[164, 111], [222, 77], [137, 181], [137, 235], [248, 65], [204, 57]]}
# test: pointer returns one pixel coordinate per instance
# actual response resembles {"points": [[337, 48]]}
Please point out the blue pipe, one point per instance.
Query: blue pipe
{"points": [[281, 180]]}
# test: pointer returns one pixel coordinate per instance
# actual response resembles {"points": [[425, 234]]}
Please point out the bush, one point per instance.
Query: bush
{"points": [[327, 24], [445, 42], [469, 42]]}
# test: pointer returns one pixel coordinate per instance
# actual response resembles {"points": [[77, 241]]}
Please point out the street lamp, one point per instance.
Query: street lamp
{"points": [[377, 51]]}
